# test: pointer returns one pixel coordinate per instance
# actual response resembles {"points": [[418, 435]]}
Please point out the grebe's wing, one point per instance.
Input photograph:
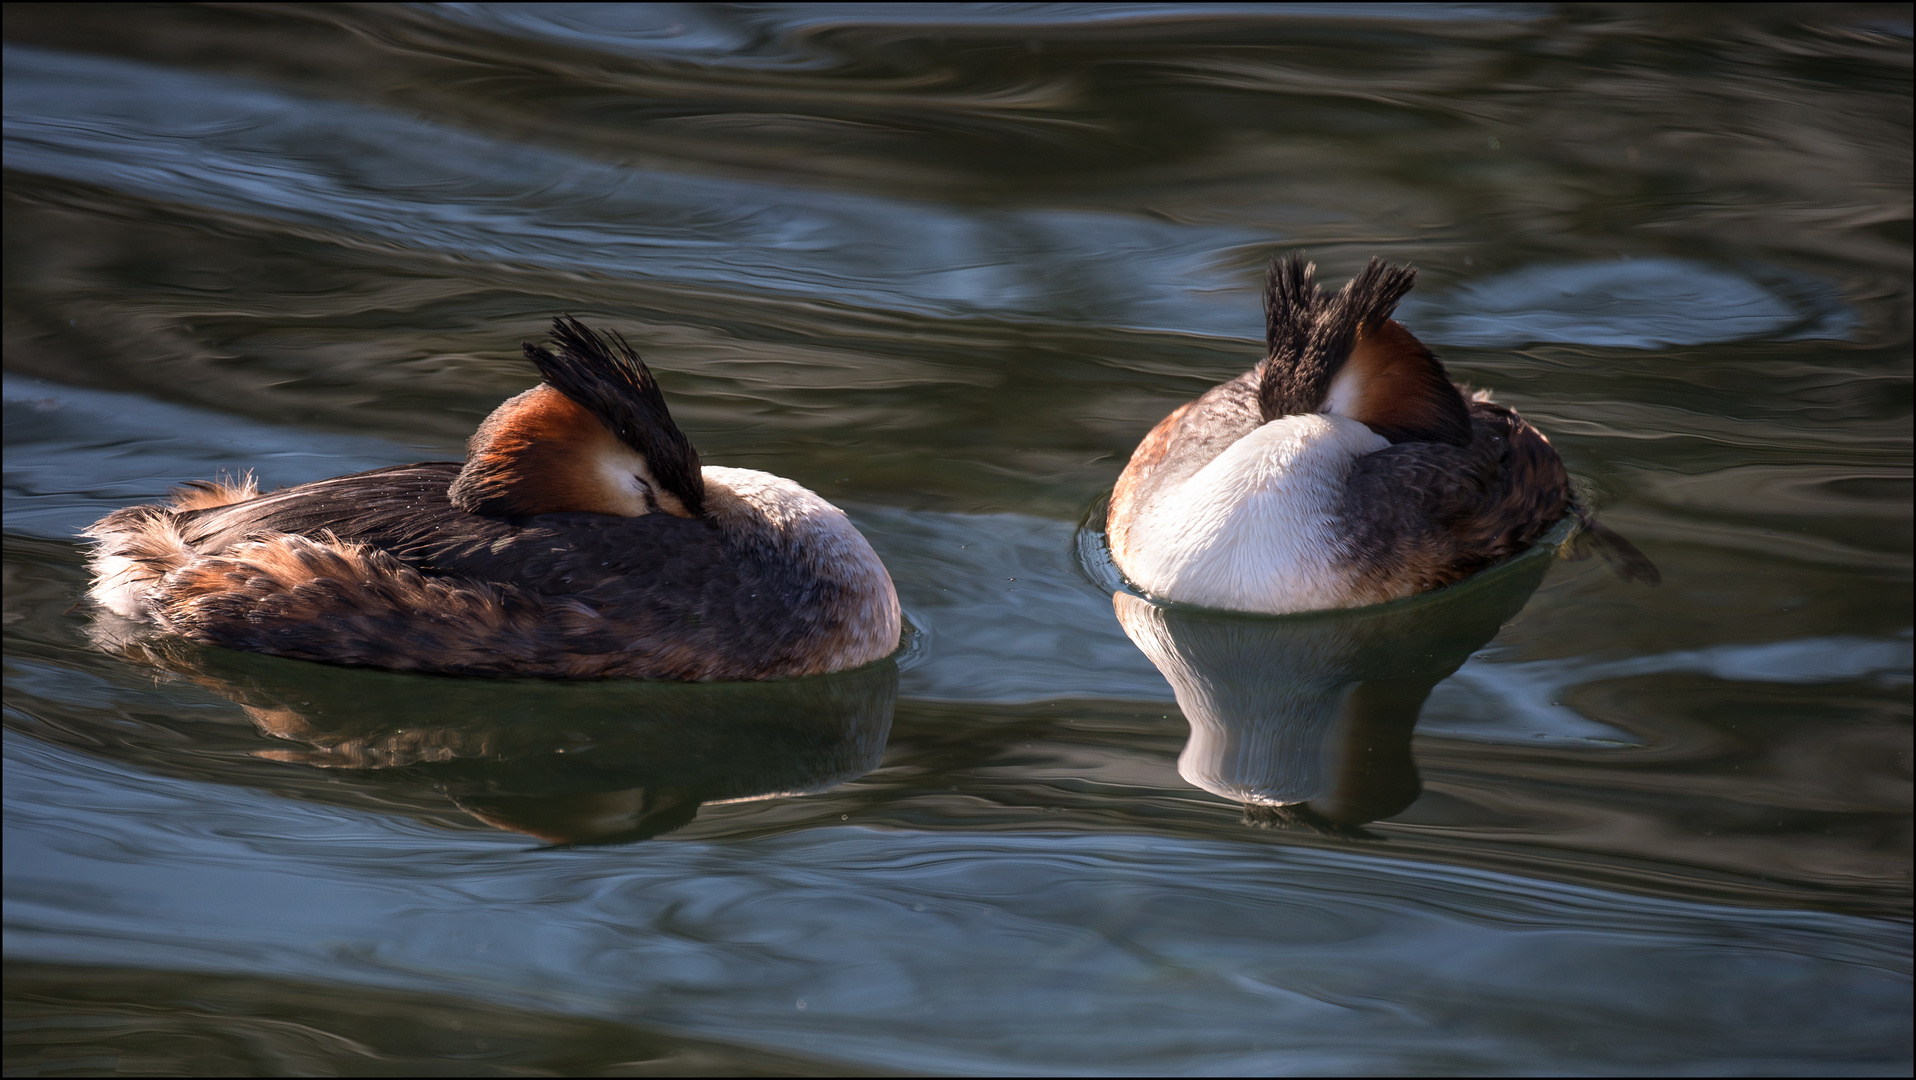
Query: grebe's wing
{"points": [[1445, 511], [380, 569], [655, 558], [380, 507], [406, 512]]}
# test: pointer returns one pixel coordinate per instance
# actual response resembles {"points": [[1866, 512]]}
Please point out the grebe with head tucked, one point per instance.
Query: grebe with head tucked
{"points": [[581, 538], [1345, 469]]}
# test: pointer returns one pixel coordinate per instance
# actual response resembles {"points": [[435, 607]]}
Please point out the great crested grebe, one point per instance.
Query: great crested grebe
{"points": [[580, 539], [1344, 470]]}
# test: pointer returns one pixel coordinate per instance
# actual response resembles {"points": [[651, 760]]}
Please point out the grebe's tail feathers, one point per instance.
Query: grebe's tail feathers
{"points": [[206, 494]]}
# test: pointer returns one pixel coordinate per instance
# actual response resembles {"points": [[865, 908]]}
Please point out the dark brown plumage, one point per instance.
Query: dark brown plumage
{"points": [[572, 544], [1425, 514]]}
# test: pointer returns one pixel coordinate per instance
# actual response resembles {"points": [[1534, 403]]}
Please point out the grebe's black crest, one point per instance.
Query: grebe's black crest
{"points": [[1311, 339], [602, 374]]}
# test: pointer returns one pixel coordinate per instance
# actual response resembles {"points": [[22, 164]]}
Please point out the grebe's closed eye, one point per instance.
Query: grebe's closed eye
{"points": [[1345, 469], [581, 538]]}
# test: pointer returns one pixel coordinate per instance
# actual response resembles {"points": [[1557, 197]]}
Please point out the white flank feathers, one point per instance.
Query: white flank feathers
{"points": [[1254, 529]]}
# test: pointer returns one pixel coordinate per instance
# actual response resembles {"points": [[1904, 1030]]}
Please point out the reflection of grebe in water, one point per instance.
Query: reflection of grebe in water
{"points": [[600, 763], [1345, 469], [580, 539], [1307, 719]]}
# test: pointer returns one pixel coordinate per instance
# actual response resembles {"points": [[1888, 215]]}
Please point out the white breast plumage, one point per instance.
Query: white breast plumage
{"points": [[1255, 529]]}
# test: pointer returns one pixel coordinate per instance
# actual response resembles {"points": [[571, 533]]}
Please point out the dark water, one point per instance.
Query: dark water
{"points": [[946, 266]]}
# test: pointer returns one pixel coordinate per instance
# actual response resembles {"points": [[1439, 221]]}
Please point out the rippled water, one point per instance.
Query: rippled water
{"points": [[946, 266]]}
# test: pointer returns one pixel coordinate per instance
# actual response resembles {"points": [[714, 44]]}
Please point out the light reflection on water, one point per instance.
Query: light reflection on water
{"points": [[945, 266], [1311, 716]]}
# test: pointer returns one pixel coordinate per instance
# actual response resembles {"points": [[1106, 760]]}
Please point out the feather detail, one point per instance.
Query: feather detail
{"points": [[1396, 387], [543, 453]]}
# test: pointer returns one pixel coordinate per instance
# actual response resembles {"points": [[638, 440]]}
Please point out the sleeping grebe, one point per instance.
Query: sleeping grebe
{"points": [[580, 539], [1344, 470]]}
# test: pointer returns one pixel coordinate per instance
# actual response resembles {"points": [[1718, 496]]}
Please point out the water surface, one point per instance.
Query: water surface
{"points": [[946, 266]]}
